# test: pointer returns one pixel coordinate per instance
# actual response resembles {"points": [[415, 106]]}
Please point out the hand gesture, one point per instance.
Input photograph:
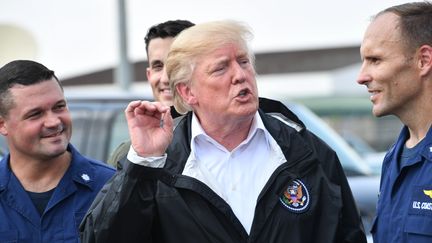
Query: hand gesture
{"points": [[150, 127]]}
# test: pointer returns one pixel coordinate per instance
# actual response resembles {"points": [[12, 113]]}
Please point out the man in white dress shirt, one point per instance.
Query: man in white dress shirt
{"points": [[228, 170]]}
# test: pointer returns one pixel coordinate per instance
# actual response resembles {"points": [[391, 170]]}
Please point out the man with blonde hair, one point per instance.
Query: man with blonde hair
{"points": [[234, 168]]}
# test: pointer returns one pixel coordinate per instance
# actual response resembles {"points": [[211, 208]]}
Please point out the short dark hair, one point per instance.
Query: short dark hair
{"points": [[166, 29], [23, 72], [415, 22]]}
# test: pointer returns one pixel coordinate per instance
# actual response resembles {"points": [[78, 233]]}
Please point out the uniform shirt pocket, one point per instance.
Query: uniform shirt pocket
{"points": [[418, 228]]}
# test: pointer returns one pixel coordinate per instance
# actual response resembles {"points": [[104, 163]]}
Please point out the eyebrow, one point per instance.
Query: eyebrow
{"points": [[219, 61], [36, 109], [157, 61]]}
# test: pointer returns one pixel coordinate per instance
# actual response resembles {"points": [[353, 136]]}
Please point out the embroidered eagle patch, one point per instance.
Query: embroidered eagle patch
{"points": [[296, 197]]}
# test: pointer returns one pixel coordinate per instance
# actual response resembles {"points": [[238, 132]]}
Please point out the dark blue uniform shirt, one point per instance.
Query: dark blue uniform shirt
{"points": [[404, 210], [21, 222]]}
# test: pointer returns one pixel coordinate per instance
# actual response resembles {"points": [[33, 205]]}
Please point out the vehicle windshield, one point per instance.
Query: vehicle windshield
{"points": [[352, 163]]}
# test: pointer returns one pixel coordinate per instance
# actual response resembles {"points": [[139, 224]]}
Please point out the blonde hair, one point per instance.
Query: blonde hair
{"points": [[197, 41]]}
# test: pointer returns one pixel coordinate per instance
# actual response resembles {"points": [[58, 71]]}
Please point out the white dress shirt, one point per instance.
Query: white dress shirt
{"points": [[238, 176]]}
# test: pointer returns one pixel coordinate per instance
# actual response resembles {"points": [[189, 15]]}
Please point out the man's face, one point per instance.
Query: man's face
{"points": [[223, 87], [158, 49], [388, 70], [39, 124]]}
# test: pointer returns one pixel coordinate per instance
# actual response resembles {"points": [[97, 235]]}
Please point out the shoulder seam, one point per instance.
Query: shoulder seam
{"points": [[287, 121]]}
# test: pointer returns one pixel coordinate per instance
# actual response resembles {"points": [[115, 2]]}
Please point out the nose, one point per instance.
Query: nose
{"points": [[363, 77], [52, 120], [239, 74], [164, 77]]}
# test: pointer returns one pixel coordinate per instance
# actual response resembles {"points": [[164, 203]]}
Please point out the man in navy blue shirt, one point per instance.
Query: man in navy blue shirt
{"points": [[46, 186], [397, 70]]}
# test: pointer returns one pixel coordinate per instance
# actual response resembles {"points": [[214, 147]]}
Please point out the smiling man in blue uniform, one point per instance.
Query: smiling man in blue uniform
{"points": [[236, 168], [397, 71], [46, 186]]}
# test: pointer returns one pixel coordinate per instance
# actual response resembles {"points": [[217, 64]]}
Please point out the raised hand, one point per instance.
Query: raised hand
{"points": [[150, 127]]}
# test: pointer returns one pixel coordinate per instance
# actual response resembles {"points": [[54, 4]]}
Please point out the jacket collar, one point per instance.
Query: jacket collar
{"points": [[179, 149]]}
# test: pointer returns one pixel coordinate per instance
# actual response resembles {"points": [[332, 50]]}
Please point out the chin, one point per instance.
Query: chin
{"points": [[166, 100], [249, 112], [53, 153], [376, 113], [57, 149], [379, 112]]}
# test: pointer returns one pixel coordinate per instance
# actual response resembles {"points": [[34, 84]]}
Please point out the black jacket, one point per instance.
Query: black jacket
{"points": [[142, 204]]}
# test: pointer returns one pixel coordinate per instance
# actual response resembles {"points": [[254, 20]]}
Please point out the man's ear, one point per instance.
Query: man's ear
{"points": [[425, 60], [186, 93], [148, 73], [3, 130]]}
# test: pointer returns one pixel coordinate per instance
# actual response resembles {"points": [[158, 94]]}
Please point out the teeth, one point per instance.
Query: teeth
{"points": [[166, 91]]}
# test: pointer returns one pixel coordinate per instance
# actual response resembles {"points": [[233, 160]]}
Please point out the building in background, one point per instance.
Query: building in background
{"points": [[305, 51]]}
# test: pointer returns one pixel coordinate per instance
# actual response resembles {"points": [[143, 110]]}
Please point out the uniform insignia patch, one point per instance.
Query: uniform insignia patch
{"points": [[296, 197], [428, 193], [421, 200], [85, 177]]}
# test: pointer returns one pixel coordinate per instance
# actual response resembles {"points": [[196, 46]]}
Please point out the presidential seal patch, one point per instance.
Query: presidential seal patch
{"points": [[295, 197]]}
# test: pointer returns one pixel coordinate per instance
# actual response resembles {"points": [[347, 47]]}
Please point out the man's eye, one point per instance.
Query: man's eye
{"points": [[218, 69], [157, 67], [373, 60], [34, 115], [244, 62], [60, 107]]}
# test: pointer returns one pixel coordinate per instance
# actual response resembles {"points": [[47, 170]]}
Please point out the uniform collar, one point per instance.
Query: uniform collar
{"points": [[5, 172], [80, 170], [425, 149]]}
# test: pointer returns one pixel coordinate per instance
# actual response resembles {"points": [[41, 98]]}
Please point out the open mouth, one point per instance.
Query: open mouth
{"points": [[166, 91], [373, 93], [243, 92]]}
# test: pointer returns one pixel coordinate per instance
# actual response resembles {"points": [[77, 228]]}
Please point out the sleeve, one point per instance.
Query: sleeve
{"points": [[351, 228], [154, 161], [124, 210]]}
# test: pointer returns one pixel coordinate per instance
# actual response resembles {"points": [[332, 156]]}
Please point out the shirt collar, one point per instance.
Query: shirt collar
{"points": [[197, 130]]}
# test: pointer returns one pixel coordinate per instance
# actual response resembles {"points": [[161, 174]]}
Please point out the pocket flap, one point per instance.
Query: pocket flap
{"points": [[419, 224]]}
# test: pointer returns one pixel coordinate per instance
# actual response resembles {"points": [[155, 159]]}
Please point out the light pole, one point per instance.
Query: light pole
{"points": [[124, 69]]}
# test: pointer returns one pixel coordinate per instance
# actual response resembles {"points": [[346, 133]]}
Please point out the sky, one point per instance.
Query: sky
{"points": [[81, 36]]}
